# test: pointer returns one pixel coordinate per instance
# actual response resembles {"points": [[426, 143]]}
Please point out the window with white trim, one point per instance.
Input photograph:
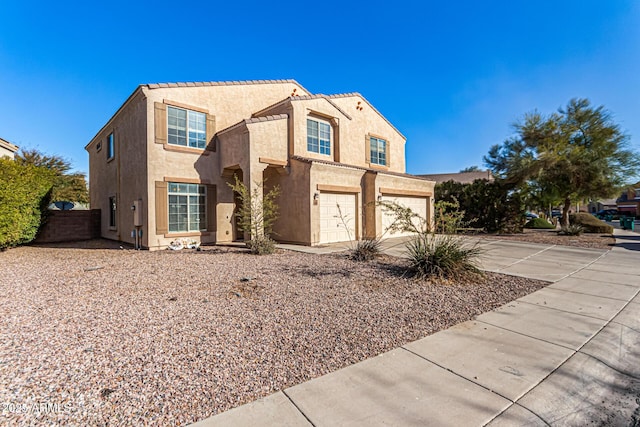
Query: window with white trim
{"points": [[187, 207], [186, 128], [318, 137], [378, 149]]}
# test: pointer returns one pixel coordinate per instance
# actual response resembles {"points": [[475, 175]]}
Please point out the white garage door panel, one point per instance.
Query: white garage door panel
{"points": [[417, 204], [332, 228]]}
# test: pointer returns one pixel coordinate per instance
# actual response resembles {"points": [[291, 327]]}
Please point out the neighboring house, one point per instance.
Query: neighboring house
{"points": [[164, 162], [629, 202], [599, 205], [7, 149], [460, 177]]}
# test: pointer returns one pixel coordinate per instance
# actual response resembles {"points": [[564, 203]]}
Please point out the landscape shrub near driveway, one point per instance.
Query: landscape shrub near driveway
{"points": [[167, 338]]}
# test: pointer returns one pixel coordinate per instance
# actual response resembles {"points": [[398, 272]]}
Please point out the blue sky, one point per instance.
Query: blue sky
{"points": [[452, 76]]}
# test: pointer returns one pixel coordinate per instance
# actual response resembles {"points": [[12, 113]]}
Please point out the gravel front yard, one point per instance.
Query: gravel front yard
{"points": [[119, 337], [551, 237]]}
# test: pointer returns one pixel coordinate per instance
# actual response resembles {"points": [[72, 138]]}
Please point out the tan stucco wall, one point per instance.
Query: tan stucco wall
{"points": [[349, 131], [228, 103], [125, 175], [295, 203], [368, 121], [336, 176]]}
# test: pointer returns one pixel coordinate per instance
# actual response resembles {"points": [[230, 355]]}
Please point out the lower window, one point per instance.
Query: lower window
{"points": [[112, 212], [187, 207]]}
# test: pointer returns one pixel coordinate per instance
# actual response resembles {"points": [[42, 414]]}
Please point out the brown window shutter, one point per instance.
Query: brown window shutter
{"points": [[212, 224], [211, 131], [160, 123], [367, 149], [162, 208], [387, 153]]}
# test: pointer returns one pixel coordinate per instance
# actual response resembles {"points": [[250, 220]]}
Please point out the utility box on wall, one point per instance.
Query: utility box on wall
{"points": [[137, 213]]}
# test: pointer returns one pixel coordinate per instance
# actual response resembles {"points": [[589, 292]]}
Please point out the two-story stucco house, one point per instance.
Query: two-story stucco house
{"points": [[163, 163], [7, 149]]}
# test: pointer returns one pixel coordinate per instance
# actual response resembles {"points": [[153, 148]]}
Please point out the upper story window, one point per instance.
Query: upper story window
{"points": [[378, 151], [187, 207], [187, 128], [318, 137], [111, 147]]}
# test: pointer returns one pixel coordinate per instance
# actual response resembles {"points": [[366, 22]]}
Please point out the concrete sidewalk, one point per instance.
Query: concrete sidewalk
{"points": [[568, 354]]}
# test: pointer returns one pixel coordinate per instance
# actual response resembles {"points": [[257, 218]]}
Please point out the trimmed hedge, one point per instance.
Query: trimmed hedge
{"points": [[24, 196], [590, 223], [539, 223]]}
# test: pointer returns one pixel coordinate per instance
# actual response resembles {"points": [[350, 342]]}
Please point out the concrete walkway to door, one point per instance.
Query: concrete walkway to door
{"points": [[568, 354]]}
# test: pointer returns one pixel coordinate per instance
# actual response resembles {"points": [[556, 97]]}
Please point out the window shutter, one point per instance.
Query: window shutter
{"points": [[367, 149], [212, 220], [211, 131], [387, 153], [162, 208], [160, 122]]}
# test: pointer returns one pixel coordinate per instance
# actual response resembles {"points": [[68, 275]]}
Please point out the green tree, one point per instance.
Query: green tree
{"points": [[69, 187], [575, 154]]}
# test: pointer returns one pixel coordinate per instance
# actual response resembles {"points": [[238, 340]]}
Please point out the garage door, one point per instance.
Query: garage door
{"points": [[417, 204], [332, 228]]}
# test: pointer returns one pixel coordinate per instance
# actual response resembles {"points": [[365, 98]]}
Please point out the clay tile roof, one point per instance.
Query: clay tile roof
{"points": [[254, 120], [225, 83], [461, 177], [344, 165]]}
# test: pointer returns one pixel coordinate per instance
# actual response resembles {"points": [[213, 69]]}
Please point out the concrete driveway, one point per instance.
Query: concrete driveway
{"points": [[568, 354]]}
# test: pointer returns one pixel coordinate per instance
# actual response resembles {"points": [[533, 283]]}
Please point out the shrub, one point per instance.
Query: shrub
{"points": [[366, 250], [261, 245], [493, 206], [24, 196], [590, 223], [443, 256], [449, 219], [572, 230], [539, 223]]}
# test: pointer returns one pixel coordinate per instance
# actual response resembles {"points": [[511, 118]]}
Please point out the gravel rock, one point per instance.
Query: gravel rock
{"points": [[169, 338], [551, 237]]}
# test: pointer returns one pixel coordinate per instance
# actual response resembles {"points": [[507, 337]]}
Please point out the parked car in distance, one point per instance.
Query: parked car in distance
{"points": [[530, 215], [606, 212], [556, 213]]}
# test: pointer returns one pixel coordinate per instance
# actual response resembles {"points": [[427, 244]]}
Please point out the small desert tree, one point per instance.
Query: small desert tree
{"points": [[258, 212], [575, 154]]}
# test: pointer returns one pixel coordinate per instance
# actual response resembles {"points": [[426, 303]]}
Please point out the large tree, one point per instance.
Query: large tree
{"points": [[67, 187], [575, 154]]}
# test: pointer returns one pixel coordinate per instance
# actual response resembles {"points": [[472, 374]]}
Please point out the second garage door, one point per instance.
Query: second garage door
{"points": [[417, 204], [332, 228]]}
